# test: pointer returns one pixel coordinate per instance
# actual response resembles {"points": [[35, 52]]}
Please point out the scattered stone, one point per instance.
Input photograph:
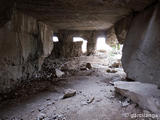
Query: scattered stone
{"points": [[59, 73], [48, 99], [108, 70], [59, 117], [50, 103], [125, 103], [145, 95], [111, 71], [80, 91], [64, 67], [115, 65], [41, 108], [69, 93], [90, 100], [41, 116], [83, 68], [88, 65], [111, 82]]}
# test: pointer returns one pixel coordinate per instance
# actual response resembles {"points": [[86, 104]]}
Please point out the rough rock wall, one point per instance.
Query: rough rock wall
{"points": [[72, 49], [111, 37], [122, 27], [92, 40], [5, 11], [24, 43], [66, 47], [141, 51]]}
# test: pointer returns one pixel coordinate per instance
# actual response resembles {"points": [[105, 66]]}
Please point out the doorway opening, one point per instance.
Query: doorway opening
{"points": [[55, 39], [84, 43], [101, 45]]}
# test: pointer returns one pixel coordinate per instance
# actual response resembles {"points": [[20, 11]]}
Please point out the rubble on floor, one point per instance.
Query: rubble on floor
{"points": [[111, 71], [69, 93], [59, 73], [41, 116], [145, 95], [90, 100], [88, 65]]}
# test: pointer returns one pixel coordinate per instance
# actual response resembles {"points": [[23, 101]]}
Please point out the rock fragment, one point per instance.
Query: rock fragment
{"points": [[41, 116], [89, 66], [59, 73], [111, 71], [90, 100], [145, 95], [69, 93]]}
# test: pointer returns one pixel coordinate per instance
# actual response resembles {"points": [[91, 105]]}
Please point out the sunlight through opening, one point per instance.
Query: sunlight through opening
{"points": [[55, 39], [101, 45], [84, 43]]}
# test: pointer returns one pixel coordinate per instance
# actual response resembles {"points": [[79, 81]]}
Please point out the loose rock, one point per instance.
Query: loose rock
{"points": [[88, 65], [59, 117], [59, 73], [41, 116], [69, 93], [90, 100], [111, 71], [115, 65]]}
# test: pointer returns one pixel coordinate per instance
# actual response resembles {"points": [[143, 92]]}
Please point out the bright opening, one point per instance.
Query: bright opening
{"points": [[84, 44], [101, 45], [55, 39]]}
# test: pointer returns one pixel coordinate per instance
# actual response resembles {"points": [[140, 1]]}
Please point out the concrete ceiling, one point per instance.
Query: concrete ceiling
{"points": [[81, 14]]}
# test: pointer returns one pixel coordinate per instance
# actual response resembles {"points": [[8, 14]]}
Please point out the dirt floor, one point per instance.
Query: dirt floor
{"points": [[95, 97]]}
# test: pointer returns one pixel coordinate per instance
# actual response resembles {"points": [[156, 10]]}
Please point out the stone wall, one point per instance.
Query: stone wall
{"points": [[111, 37], [141, 52], [122, 26], [67, 48], [24, 43]]}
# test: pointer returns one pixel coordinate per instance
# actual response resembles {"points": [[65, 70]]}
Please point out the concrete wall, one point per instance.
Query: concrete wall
{"points": [[141, 52], [24, 43]]}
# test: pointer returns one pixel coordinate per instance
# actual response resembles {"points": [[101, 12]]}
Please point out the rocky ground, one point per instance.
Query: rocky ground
{"points": [[72, 89]]}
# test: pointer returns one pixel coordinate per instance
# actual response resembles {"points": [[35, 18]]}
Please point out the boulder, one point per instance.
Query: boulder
{"points": [[145, 95], [69, 93], [141, 51], [24, 44]]}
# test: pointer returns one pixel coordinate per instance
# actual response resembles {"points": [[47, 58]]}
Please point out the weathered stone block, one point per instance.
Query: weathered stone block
{"points": [[141, 52], [24, 44]]}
